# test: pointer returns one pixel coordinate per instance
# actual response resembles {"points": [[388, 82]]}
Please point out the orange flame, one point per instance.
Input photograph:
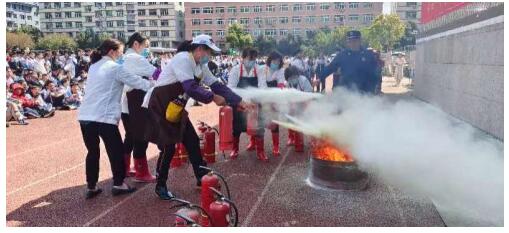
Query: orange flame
{"points": [[324, 150]]}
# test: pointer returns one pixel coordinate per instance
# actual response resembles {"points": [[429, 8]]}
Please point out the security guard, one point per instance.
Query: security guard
{"points": [[358, 66]]}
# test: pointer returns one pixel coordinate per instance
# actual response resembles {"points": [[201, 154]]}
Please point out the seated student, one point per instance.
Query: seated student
{"points": [[74, 97], [15, 110], [296, 80], [54, 95], [43, 107], [30, 106]]}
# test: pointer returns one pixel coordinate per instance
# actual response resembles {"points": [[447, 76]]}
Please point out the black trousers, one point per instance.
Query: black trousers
{"points": [[110, 135], [192, 144], [137, 147]]}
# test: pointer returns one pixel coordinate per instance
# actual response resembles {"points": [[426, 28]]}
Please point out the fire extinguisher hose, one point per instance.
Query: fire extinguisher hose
{"points": [[236, 220], [191, 205]]}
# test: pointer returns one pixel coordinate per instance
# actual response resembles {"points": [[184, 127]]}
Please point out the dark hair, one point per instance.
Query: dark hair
{"points": [[47, 83], [188, 46], [104, 49], [138, 37], [249, 52], [291, 71], [275, 56]]}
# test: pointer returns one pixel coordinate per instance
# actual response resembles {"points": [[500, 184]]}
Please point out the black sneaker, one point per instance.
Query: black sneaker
{"points": [[119, 191], [163, 193], [92, 193], [22, 122]]}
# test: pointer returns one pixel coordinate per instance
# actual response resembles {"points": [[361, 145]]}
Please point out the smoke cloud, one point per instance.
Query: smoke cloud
{"points": [[412, 146]]}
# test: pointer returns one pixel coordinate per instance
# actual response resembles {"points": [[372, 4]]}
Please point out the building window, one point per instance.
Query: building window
{"points": [[141, 4], [284, 7], [109, 24], [207, 22], [370, 5], [47, 5], [195, 21], [283, 20], [411, 15], [120, 23], [98, 4], [120, 35], [56, 5], [296, 31], [15, 16], [353, 5], [258, 21], [29, 17], [296, 19], [220, 33], [219, 21], [9, 14], [244, 9], [141, 12], [67, 5], [232, 21], [310, 7], [118, 4], [195, 11], [68, 24], [244, 21], [79, 24], [165, 33], [325, 19], [353, 17], [47, 15], [154, 33], [153, 23], [154, 43], [22, 16], [49, 25], [88, 8], [88, 19], [339, 18], [270, 8], [164, 23], [324, 6], [77, 5], [142, 23], [283, 32], [257, 32], [109, 13], [219, 10], [339, 5], [257, 9], [77, 14], [297, 7], [368, 18], [152, 12], [310, 19], [270, 32], [271, 20], [58, 24], [109, 4], [120, 13], [208, 32], [58, 15], [232, 9], [164, 12], [196, 32], [208, 10]]}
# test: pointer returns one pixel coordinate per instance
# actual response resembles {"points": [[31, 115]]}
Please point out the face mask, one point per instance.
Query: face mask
{"points": [[145, 52], [249, 64], [204, 60], [120, 60], [274, 66]]}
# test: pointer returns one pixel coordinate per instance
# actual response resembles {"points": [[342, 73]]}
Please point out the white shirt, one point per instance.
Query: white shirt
{"points": [[234, 75], [138, 65], [181, 67], [300, 83], [300, 64], [106, 79], [270, 75]]}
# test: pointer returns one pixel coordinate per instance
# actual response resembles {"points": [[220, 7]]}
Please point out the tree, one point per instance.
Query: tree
{"points": [[409, 36], [237, 38], [34, 32], [20, 40], [57, 41], [264, 45], [289, 45], [386, 30], [85, 39]]}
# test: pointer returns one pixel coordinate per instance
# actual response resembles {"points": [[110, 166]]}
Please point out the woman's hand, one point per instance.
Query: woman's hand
{"points": [[219, 100]]}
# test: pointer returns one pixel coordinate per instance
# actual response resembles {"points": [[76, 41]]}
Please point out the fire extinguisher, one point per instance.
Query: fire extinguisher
{"points": [[175, 161], [225, 128], [190, 214], [252, 121], [202, 128], [182, 152], [220, 211], [214, 180], [209, 145]]}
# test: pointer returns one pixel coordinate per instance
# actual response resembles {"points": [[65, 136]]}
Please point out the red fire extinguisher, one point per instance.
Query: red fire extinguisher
{"points": [[175, 161], [209, 145], [252, 121], [182, 152], [222, 211], [190, 214], [225, 128], [214, 180]]}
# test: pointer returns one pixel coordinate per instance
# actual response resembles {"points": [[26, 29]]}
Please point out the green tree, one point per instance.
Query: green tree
{"points": [[264, 45], [237, 38], [57, 41], [288, 45], [85, 39], [20, 40], [386, 30], [409, 36], [34, 32]]}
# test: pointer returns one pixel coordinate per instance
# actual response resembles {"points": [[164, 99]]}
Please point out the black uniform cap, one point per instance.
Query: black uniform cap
{"points": [[353, 35]]}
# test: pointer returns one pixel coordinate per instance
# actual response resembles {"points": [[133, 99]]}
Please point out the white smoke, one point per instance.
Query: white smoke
{"points": [[417, 148]]}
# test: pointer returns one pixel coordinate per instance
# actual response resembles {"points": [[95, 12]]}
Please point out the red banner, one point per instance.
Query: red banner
{"points": [[433, 10]]}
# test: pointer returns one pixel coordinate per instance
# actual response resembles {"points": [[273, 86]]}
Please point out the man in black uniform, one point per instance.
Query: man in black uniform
{"points": [[358, 66]]}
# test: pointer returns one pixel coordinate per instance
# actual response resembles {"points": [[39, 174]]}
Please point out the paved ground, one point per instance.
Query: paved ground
{"points": [[46, 174]]}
